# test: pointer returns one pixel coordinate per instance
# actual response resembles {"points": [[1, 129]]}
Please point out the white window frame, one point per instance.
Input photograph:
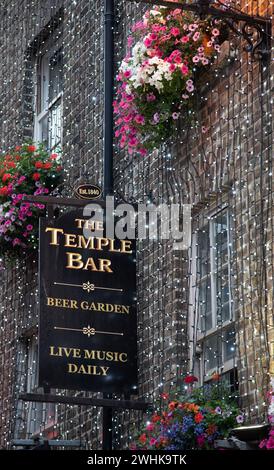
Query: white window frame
{"points": [[42, 96], [199, 337]]}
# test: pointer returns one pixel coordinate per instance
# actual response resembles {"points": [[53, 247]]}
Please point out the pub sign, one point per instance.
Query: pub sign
{"points": [[87, 325]]}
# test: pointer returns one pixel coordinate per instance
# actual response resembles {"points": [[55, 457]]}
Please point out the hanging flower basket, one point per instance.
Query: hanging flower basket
{"points": [[190, 422], [155, 79], [27, 170]]}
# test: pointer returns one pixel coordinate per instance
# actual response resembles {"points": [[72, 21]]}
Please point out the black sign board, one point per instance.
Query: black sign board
{"points": [[87, 327]]}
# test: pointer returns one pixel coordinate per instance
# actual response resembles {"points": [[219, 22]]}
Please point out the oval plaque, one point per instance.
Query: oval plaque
{"points": [[88, 191]]}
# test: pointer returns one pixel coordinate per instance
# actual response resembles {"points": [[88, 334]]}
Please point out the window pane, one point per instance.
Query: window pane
{"points": [[229, 343], [205, 312], [55, 75], [44, 133], [212, 353], [220, 242], [203, 252], [222, 296], [55, 125]]}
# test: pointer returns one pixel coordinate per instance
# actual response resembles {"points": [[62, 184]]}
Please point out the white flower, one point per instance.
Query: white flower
{"points": [[154, 13]]}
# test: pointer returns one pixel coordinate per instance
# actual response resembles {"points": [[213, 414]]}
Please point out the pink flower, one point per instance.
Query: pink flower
{"points": [[215, 32], [172, 67], [200, 440], [129, 98], [151, 97], [150, 427], [178, 59], [205, 61], [175, 31], [184, 69], [175, 116], [196, 36], [193, 26], [139, 119], [130, 41], [128, 118], [127, 73], [147, 42], [184, 39], [29, 227], [195, 59], [152, 441], [177, 12], [142, 151], [133, 142]]}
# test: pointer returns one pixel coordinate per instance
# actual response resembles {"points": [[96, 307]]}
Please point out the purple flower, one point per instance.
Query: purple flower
{"points": [[156, 118], [175, 116], [240, 419], [218, 410]]}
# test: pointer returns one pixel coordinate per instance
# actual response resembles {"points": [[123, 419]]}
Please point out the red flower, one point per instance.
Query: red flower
{"points": [[190, 379], [47, 165], [39, 164], [6, 176], [172, 405], [36, 176], [54, 156], [17, 148], [164, 396], [31, 148], [143, 438], [155, 418], [4, 191], [198, 418], [11, 165], [58, 168]]}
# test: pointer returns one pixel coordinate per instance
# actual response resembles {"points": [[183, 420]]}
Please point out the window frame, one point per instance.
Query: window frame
{"points": [[42, 110], [201, 336]]}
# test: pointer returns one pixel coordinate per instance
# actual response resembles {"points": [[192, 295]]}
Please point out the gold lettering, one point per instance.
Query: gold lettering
{"points": [[54, 231], [126, 246], [70, 240], [85, 242], [74, 261], [104, 265], [87, 370]]}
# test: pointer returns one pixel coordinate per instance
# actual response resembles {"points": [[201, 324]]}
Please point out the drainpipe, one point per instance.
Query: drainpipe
{"points": [[108, 156], [108, 95]]}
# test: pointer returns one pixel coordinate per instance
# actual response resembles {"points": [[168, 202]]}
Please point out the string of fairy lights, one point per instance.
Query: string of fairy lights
{"points": [[228, 168]]}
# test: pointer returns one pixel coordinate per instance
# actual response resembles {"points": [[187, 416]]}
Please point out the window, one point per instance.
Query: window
{"points": [[40, 417], [49, 93], [215, 331]]}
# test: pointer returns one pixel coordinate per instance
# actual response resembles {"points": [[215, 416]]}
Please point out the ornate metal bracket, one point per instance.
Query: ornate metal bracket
{"points": [[256, 36], [254, 30]]}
